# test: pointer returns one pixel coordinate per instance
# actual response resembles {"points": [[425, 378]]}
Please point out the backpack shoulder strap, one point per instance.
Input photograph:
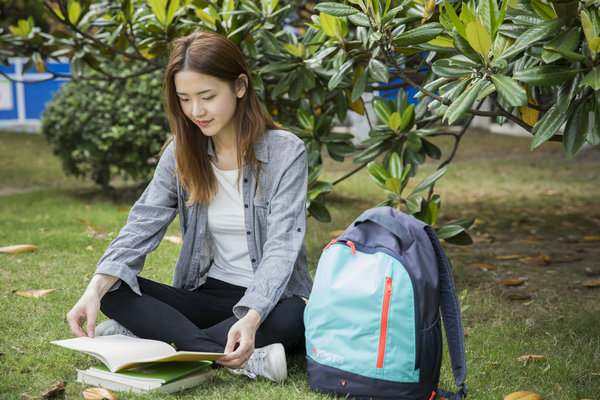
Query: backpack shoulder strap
{"points": [[452, 318]]}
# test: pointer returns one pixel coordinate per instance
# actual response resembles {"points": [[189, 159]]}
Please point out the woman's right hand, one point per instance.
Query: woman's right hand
{"points": [[87, 308]]}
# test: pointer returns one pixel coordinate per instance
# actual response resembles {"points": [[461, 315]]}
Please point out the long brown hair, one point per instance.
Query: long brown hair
{"points": [[211, 54]]}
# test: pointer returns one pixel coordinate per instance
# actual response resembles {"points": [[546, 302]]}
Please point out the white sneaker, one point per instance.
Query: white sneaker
{"points": [[268, 362], [112, 327]]}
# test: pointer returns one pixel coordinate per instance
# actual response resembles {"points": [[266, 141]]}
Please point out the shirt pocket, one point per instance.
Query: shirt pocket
{"points": [[261, 210]]}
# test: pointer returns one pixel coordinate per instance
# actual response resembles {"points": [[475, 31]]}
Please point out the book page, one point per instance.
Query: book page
{"points": [[117, 350]]}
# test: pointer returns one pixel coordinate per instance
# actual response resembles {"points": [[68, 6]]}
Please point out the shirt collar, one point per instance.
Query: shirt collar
{"points": [[261, 150]]}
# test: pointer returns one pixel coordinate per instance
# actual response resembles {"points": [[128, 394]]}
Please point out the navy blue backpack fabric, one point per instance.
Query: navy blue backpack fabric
{"points": [[373, 325]]}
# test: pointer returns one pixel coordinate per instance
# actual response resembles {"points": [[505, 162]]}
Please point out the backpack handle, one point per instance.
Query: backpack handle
{"points": [[390, 223]]}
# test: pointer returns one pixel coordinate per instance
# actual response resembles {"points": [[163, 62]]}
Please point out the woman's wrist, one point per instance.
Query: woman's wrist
{"points": [[100, 284], [253, 317]]}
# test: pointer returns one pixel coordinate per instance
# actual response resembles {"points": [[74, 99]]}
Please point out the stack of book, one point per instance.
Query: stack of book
{"points": [[140, 365]]}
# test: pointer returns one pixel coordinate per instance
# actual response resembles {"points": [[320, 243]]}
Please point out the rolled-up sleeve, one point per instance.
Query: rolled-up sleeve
{"points": [[285, 229], [146, 225]]}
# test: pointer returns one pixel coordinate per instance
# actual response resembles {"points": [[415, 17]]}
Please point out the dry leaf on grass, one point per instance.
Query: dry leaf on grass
{"points": [[518, 297], [527, 358], [123, 208], [523, 395], [174, 239], [19, 248], [336, 233], [82, 221], [509, 257], [592, 283], [35, 292], [97, 394], [512, 282], [541, 259], [487, 267], [54, 390], [593, 238], [96, 229]]}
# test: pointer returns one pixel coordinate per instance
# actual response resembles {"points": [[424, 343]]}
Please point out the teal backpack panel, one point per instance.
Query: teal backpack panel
{"points": [[356, 316]]}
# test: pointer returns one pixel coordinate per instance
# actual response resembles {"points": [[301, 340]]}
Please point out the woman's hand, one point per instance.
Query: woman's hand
{"points": [[242, 332], [88, 306]]}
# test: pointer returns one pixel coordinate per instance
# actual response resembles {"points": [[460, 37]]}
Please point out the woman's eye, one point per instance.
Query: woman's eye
{"points": [[208, 98], [183, 100]]}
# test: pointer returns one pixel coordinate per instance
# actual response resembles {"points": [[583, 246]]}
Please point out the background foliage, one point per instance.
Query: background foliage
{"points": [[534, 60]]}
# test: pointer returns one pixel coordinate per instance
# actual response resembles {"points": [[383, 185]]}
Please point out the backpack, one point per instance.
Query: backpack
{"points": [[373, 328]]}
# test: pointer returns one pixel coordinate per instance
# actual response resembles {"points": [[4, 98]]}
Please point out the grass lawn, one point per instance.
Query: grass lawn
{"points": [[538, 221]]}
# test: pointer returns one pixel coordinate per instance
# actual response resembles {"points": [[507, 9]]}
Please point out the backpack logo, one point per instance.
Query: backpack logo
{"points": [[327, 356]]}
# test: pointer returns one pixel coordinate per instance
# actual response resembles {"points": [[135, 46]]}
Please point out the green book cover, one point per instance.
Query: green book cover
{"points": [[163, 371]]}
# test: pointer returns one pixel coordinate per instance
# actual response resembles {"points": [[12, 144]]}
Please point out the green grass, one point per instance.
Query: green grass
{"points": [[525, 203]]}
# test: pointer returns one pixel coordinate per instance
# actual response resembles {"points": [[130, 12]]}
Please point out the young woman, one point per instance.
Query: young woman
{"points": [[238, 183]]}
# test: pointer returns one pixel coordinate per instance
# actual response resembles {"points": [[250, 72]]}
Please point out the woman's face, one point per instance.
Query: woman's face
{"points": [[208, 101]]}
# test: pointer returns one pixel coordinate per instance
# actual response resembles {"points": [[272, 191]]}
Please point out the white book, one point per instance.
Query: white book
{"points": [[119, 352]]}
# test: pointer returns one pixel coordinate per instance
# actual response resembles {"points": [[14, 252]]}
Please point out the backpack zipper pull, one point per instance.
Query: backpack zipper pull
{"points": [[330, 243], [349, 243]]}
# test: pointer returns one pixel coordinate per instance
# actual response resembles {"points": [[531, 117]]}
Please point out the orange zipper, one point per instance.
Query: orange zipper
{"points": [[387, 294]]}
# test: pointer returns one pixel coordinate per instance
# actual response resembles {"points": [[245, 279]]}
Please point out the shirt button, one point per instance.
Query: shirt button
{"points": [[245, 180], [248, 233], [245, 205], [254, 260], [299, 230]]}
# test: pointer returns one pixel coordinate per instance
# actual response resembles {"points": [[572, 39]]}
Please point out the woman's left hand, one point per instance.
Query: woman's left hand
{"points": [[242, 332]]}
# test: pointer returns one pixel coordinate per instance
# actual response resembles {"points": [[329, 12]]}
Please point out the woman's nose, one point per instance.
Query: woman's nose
{"points": [[198, 110]]}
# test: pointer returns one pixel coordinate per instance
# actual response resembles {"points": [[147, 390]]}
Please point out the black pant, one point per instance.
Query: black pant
{"points": [[199, 320]]}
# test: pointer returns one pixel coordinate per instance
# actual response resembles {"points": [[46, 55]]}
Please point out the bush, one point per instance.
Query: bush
{"points": [[106, 128]]}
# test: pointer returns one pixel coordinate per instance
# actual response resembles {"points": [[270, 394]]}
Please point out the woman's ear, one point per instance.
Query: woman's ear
{"points": [[241, 85]]}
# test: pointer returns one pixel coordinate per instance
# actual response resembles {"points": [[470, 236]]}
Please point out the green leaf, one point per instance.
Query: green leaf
{"points": [[319, 211], [407, 117], [359, 86], [546, 75], [382, 110], [575, 129], [487, 12], [378, 173], [462, 103], [314, 173], [418, 35], [293, 49], [510, 89], [378, 70], [479, 38], [594, 45], [73, 11], [592, 79], [543, 10], [329, 24], [587, 25], [567, 41], [534, 35], [458, 25], [463, 46], [306, 121], [394, 121], [443, 68], [395, 166], [393, 184], [430, 180], [461, 238], [159, 9], [337, 78], [174, 6], [336, 9], [547, 126], [448, 230]]}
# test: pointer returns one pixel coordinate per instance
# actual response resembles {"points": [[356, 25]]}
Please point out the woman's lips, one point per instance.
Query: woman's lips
{"points": [[204, 124]]}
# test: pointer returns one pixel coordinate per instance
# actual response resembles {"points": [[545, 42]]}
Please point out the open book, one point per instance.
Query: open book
{"points": [[119, 352]]}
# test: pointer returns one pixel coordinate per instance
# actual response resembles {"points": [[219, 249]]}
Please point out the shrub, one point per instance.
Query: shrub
{"points": [[106, 128]]}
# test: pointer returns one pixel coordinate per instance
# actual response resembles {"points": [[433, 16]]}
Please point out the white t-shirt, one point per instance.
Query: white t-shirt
{"points": [[226, 226]]}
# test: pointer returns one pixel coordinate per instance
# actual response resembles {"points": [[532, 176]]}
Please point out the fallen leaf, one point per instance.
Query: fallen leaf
{"points": [[35, 292], [527, 358], [487, 267], [541, 259], [89, 248], [19, 248], [592, 283], [97, 394], [336, 233], [519, 297], [174, 239], [27, 396], [509, 257], [512, 282], [54, 390], [100, 236], [83, 221], [593, 238], [523, 395], [123, 208], [96, 228]]}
